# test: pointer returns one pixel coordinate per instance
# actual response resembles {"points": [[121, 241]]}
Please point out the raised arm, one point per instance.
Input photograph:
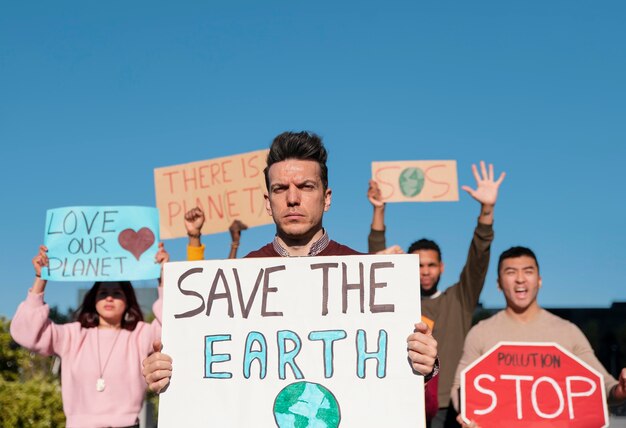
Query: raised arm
{"points": [[486, 191], [235, 235], [161, 257], [376, 240], [194, 220], [472, 278], [30, 326]]}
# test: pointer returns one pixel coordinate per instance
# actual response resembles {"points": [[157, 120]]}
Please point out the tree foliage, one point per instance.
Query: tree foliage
{"points": [[30, 395]]}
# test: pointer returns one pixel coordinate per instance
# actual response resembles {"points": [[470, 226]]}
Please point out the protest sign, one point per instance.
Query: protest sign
{"points": [[532, 384], [101, 243], [225, 188], [308, 341], [417, 181]]}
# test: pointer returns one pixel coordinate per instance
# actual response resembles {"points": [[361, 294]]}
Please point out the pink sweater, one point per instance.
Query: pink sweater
{"points": [[120, 402]]}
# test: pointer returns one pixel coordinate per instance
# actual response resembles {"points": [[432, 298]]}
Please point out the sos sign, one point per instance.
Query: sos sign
{"points": [[523, 384]]}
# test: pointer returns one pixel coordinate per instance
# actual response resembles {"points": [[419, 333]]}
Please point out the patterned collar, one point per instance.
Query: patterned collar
{"points": [[317, 247]]}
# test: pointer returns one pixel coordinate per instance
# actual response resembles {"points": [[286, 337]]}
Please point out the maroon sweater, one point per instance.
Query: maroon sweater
{"points": [[333, 249]]}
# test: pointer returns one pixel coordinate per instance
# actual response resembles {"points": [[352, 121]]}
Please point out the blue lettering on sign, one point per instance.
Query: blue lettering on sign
{"points": [[380, 356], [250, 355], [328, 337], [286, 357], [211, 358]]}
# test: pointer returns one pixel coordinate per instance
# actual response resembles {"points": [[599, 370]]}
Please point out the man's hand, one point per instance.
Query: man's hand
{"points": [[486, 188], [373, 194], [422, 349], [157, 369], [194, 220]]}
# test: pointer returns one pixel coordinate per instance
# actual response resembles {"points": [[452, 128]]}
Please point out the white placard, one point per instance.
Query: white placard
{"points": [[267, 342]]}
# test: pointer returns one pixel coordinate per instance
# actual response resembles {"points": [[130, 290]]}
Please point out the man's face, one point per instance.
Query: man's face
{"points": [[431, 269], [296, 198], [519, 280]]}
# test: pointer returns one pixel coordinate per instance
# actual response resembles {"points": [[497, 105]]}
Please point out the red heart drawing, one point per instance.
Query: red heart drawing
{"points": [[136, 243]]}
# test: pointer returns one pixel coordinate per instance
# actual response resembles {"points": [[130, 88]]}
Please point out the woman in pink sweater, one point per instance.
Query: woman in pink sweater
{"points": [[101, 353]]}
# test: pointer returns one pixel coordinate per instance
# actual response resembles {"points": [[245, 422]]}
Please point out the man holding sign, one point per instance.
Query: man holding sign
{"points": [[297, 197], [523, 320]]}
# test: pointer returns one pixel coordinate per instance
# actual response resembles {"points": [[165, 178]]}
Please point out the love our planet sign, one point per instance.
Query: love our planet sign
{"points": [[109, 243]]}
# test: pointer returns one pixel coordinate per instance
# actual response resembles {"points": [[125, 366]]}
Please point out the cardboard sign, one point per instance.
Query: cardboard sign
{"points": [[307, 341], [530, 384], [226, 189], [417, 181], [101, 243]]}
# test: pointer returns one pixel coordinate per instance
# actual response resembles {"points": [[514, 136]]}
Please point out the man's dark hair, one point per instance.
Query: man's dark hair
{"points": [[298, 145], [515, 252], [425, 244]]}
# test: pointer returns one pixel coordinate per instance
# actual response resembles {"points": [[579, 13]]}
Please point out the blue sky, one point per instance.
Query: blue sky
{"points": [[94, 96]]}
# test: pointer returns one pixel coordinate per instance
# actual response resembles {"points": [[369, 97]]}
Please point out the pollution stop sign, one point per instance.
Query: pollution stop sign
{"points": [[525, 384]]}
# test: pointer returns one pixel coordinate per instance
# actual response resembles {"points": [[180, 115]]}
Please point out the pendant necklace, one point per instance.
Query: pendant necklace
{"points": [[100, 382]]}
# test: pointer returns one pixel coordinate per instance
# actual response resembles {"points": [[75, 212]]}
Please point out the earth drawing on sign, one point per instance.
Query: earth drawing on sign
{"points": [[306, 405], [411, 181]]}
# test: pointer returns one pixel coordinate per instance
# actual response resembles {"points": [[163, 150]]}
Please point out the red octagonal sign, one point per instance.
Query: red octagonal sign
{"points": [[532, 384]]}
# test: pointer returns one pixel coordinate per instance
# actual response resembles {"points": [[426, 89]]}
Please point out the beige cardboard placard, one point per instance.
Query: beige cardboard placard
{"points": [[417, 181], [226, 189]]}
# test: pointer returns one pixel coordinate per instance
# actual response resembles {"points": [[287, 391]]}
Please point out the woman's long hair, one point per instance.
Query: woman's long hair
{"points": [[88, 317]]}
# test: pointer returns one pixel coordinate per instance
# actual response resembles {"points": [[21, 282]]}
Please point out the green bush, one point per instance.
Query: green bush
{"points": [[35, 403], [30, 396]]}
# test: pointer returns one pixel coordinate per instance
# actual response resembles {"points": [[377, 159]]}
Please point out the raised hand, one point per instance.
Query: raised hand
{"points": [[235, 230], [486, 186], [374, 195], [194, 220], [162, 256], [40, 260]]}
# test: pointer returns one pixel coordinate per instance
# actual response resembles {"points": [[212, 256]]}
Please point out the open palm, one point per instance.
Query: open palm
{"points": [[486, 186]]}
